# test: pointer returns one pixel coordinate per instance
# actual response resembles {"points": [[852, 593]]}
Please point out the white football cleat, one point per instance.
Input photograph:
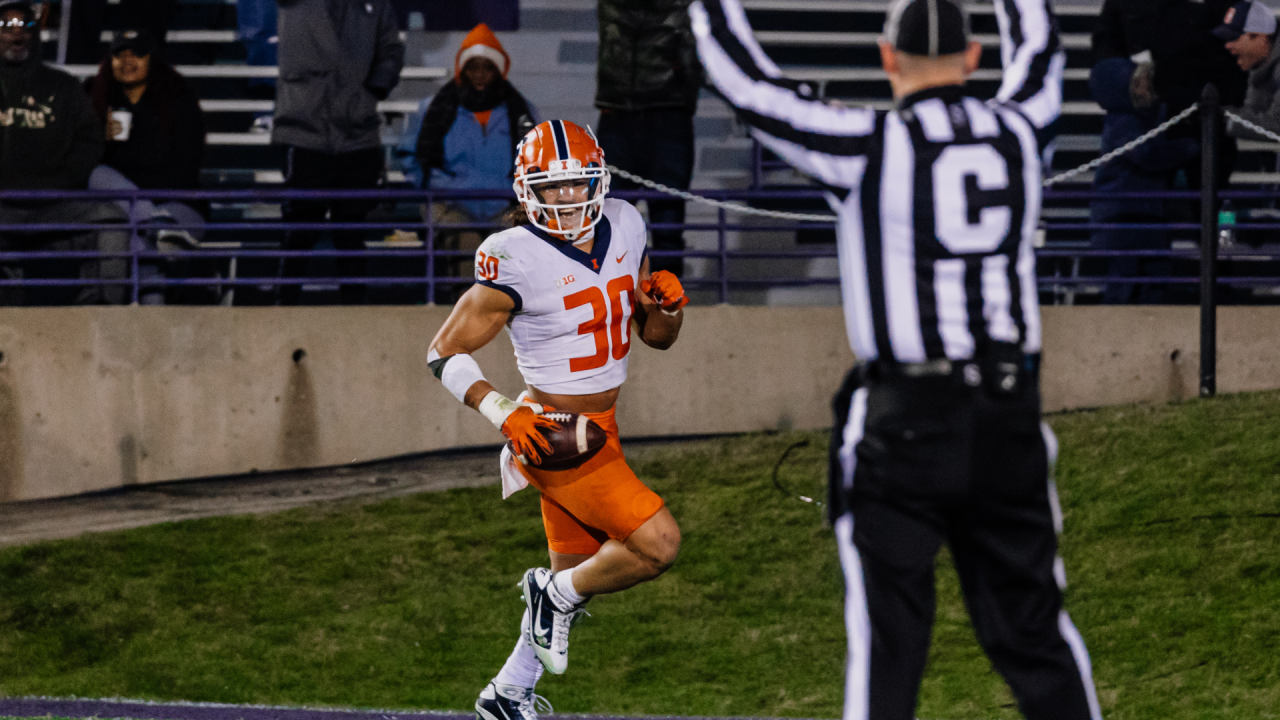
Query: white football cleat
{"points": [[550, 618]]}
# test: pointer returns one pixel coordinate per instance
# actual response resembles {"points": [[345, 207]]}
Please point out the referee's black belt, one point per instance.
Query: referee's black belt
{"points": [[1001, 372]]}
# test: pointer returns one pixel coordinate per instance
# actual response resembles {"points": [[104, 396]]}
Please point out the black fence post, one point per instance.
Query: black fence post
{"points": [[1210, 121]]}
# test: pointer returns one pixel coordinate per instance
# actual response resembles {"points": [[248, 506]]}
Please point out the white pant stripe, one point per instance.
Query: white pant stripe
{"points": [[1081, 655], [857, 687], [1065, 626], [857, 682]]}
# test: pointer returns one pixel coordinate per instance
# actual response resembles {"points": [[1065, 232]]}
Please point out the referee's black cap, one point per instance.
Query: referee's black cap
{"points": [[927, 27]]}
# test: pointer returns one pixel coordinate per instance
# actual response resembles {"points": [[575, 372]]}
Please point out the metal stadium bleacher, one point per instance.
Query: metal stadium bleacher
{"points": [[831, 43]]}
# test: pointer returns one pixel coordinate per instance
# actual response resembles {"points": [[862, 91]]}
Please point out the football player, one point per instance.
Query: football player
{"points": [[568, 286]]}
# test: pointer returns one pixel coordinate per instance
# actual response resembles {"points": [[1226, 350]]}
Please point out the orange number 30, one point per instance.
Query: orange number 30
{"points": [[486, 266], [614, 334]]}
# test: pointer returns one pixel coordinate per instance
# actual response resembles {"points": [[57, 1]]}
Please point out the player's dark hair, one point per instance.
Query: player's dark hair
{"points": [[515, 216]]}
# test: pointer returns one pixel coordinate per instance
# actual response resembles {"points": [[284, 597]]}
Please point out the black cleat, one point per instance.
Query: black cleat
{"points": [[510, 702]]}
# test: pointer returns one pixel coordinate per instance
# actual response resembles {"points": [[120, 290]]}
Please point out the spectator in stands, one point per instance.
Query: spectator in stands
{"points": [[155, 141], [648, 80], [50, 139], [1176, 36], [1124, 89], [1249, 29], [465, 138], [163, 144], [338, 58]]}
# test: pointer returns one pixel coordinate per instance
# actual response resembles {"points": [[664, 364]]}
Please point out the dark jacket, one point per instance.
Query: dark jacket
{"points": [[1179, 35], [648, 59], [443, 111], [50, 138], [1262, 103], [337, 59], [1143, 169], [166, 143]]}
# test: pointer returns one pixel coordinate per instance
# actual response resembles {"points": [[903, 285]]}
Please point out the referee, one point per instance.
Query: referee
{"points": [[938, 435]]}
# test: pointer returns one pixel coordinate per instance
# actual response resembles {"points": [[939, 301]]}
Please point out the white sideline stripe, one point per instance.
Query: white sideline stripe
{"points": [[417, 712], [252, 71], [1070, 41]]}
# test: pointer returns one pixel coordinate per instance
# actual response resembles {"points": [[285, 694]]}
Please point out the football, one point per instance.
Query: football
{"points": [[577, 439]]}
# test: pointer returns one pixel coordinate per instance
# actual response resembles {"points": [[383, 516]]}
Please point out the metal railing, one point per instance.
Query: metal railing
{"points": [[239, 240], [422, 263]]}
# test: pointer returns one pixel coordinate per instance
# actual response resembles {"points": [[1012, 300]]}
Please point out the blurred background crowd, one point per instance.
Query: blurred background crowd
{"points": [[369, 95]]}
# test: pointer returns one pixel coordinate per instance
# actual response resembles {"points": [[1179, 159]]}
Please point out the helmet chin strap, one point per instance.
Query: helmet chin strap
{"points": [[572, 236]]}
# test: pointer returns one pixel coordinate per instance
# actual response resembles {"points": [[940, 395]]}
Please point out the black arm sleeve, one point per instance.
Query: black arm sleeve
{"points": [[817, 138]]}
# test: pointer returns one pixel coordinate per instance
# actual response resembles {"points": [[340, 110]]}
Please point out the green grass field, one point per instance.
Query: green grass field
{"points": [[1172, 547]]}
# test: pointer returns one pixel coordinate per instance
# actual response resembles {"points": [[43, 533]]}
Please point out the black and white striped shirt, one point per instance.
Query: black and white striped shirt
{"points": [[938, 200]]}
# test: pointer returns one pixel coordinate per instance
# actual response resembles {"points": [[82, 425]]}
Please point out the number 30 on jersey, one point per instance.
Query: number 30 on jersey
{"points": [[612, 330], [486, 266]]}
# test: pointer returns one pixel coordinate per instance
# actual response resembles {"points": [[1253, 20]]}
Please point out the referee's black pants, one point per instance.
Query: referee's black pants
{"points": [[922, 461]]}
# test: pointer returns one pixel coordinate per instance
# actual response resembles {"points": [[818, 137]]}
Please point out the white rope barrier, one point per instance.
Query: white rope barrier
{"points": [[1164, 126], [1251, 125], [734, 207], [802, 217]]}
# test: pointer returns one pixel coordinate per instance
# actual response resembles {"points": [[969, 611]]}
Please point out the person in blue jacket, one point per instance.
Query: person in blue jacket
{"points": [[1125, 90], [465, 138]]}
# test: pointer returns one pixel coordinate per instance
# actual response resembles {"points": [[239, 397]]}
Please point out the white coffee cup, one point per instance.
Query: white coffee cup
{"points": [[125, 118]]}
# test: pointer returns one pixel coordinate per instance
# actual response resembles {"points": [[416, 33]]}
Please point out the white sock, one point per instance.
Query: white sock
{"points": [[563, 581], [522, 669]]}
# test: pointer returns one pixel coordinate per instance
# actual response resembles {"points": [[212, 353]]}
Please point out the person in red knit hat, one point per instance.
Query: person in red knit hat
{"points": [[466, 140]]}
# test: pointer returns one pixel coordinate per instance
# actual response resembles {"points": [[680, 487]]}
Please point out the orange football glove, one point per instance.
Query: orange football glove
{"points": [[665, 289], [521, 428]]}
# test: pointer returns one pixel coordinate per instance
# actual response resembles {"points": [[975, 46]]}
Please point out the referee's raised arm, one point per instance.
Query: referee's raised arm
{"points": [[1032, 57], [822, 140]]}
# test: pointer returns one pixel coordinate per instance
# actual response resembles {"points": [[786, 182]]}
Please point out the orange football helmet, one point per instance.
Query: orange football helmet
{"points": [[555, 151]]}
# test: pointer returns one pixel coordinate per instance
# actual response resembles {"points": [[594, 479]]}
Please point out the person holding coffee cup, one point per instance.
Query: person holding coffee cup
{"points": [[151, 118], [155, 138]]}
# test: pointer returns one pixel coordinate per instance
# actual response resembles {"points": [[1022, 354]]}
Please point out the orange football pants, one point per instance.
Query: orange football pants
{"points": [[601, 499]]}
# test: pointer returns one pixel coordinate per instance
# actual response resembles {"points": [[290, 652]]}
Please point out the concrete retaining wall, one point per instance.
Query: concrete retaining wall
{"points": [[95, 398]]}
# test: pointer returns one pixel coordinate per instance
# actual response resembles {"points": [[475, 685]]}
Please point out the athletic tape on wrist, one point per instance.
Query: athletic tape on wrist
{"points": [[496, 407], [458, 373]]}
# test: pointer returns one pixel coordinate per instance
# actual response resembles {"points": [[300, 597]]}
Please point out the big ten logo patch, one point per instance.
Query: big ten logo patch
{"points": [[486, 266], [566, 280]]}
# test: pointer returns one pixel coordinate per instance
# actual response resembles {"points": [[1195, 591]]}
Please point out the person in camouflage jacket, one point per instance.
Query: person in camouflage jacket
{"points": [[647, 83]]}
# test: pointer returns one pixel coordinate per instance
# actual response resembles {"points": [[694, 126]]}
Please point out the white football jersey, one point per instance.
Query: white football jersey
{"points": [[572, 324]]}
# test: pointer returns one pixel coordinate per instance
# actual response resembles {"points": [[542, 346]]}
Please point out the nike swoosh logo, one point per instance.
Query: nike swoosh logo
{"points": [[619, 258], [539, 632]]}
